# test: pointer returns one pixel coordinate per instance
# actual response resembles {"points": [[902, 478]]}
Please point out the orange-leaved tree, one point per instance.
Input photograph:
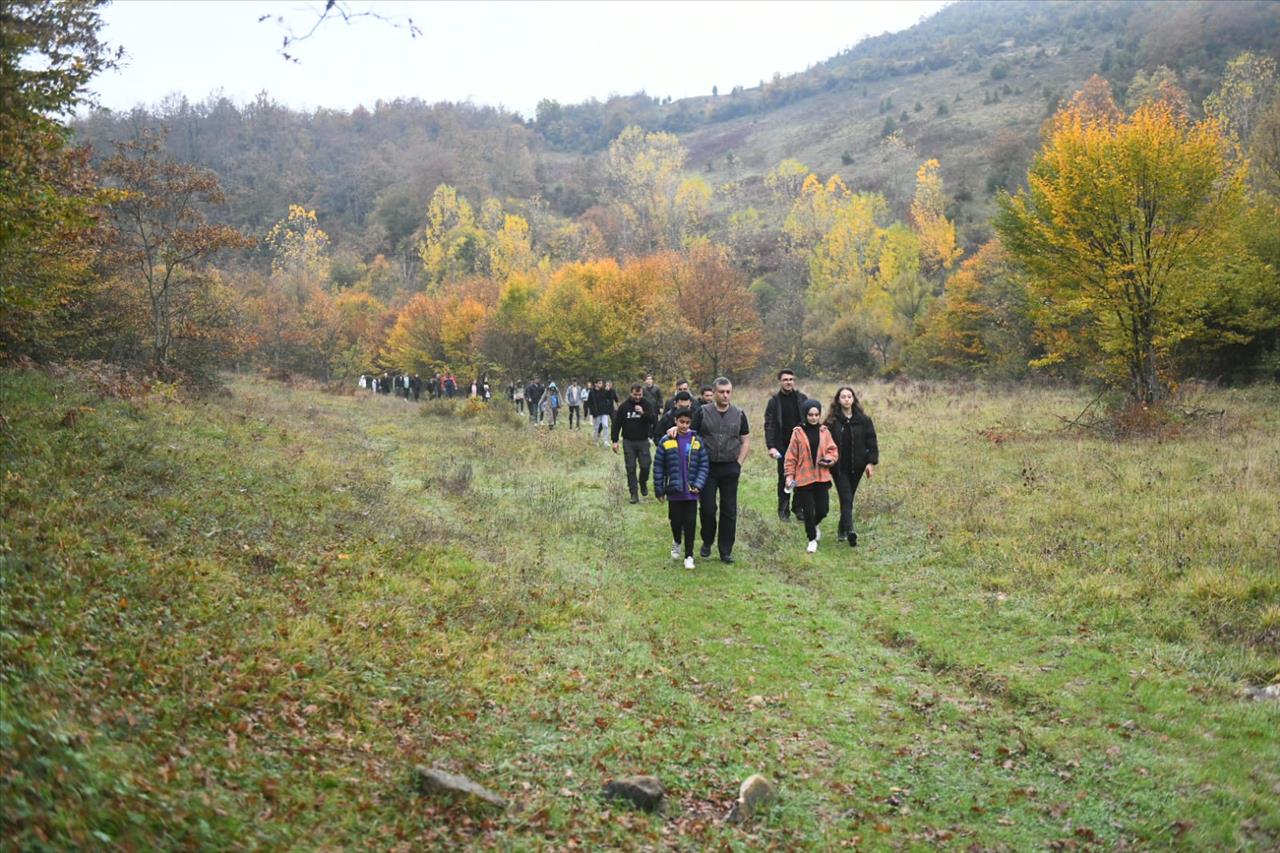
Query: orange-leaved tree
{"points": [[1122, 223], [713, 299]]}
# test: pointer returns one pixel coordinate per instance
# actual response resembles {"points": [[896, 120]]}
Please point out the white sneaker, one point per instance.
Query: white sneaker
{"points": [[675, 551], [688, 562], [812, 547]]}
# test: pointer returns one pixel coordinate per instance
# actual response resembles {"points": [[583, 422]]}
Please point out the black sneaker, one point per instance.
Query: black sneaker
{"points": [[784, 515], [853, 539], [644, 489], [634, 499], [727, 558], [705, 551]]}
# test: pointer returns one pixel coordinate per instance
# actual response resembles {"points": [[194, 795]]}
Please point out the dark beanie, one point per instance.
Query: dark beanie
{"points": [[807, 405]]}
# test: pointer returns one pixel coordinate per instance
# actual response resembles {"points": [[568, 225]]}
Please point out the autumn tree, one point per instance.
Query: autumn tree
{"points": [[937, 234], [48, 192], [713, 299], [510, 338], [161, 240], [415, 343], [982, 324], [1120, 225], [643, 175]]}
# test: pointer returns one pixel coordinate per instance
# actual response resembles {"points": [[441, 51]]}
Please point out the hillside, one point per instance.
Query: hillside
{"points": [[241, 622], [969, 86]]}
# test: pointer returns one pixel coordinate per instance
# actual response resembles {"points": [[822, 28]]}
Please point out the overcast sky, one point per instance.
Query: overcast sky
{"points": [[512, 54]]}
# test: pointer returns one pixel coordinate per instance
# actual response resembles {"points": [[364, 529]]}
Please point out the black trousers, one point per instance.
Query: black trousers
{"points": [[722, 483], [683, 516], [633, 451], [815, 502], [785, 501], [846, 488], [575, 416]]}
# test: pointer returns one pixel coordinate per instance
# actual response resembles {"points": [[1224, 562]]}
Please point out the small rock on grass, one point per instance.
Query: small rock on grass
{"points": [[754, 794], [644, 792], [432, 780], [1262, 694]]}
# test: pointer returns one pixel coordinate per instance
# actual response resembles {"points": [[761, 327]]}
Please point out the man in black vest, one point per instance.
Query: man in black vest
{"points": [[781, 416], [724, 431]]}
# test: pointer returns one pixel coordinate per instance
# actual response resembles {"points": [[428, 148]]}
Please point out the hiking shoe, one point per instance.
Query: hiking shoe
{"points": [[675, 551], [705, 550], [812, 547], [784, 515], [634, 499], [727, 559], [688, 562]]}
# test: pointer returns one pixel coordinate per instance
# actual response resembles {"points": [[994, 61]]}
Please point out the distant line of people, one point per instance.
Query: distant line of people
{"points": [[439, 386]]}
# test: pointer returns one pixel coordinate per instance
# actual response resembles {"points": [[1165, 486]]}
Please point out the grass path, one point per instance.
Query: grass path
{"points": [[240, 623]]}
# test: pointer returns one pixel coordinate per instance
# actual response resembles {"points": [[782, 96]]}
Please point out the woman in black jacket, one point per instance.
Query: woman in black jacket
{"points": [[855, 436]]}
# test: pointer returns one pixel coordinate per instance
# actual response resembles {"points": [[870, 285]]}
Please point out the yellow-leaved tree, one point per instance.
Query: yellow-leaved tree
{"points": [[1121, 226], [937, 234]]}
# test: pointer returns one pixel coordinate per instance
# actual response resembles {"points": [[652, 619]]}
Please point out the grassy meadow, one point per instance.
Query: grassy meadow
{"points": [[241, 622]]}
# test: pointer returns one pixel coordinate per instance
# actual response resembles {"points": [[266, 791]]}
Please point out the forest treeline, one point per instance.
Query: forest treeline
{"points": [[1141, 247]]}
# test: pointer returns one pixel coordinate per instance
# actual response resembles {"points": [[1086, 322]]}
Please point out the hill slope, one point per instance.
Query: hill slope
{"points": [[969, 86]]}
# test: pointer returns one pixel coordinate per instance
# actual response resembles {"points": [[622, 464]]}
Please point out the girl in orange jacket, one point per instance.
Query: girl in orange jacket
{"points": [[811, 456]]}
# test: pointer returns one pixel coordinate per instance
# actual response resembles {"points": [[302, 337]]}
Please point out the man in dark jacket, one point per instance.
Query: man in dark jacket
{"points": [[682, 401], [600, 403], [634, 421], [652, 395], [533, 396], [781, 416]]}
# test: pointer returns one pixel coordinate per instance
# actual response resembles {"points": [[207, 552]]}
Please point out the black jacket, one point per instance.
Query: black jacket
{"points": [[533, 393], [856, 440], [780, 419], [634, 420], [601, 401], [666, 422], [653, 396]]}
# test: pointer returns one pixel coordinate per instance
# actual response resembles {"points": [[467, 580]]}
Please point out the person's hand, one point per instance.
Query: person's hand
{"points": [[615, 447], [775, 453], [871, 469], [660, 498], [671, 433], [791, 482]]}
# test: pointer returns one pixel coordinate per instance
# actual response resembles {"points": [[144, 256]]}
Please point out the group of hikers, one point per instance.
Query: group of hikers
{"points": [[698, 447], [694, 447], [411, 386]]}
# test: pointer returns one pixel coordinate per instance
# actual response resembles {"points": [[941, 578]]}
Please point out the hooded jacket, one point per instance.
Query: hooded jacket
{"points": [[798, 464]]}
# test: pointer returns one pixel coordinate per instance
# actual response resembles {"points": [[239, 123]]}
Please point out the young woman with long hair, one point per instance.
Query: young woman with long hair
{"points": [[855, 437]]}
